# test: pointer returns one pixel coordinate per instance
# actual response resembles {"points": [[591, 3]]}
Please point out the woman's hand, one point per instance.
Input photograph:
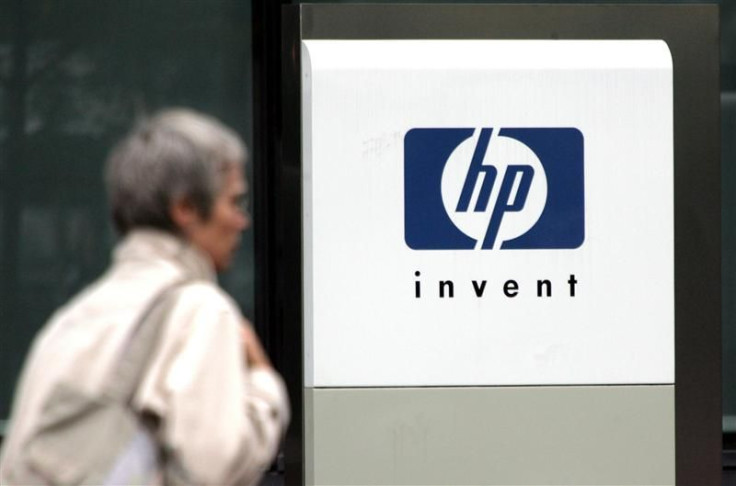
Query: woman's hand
{"points": [[254, 352]]}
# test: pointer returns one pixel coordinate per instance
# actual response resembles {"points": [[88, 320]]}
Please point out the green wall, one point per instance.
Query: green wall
{"points": [[75, 75]]}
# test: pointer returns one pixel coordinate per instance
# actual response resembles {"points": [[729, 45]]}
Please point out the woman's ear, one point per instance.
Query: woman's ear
{"points": [[183, 213]]}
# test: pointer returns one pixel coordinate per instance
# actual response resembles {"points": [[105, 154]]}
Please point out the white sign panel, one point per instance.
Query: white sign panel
{"points": [[488, 213]]}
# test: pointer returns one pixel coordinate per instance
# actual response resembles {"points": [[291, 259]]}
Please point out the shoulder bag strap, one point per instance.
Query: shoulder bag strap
{"points": [[138, 351]]}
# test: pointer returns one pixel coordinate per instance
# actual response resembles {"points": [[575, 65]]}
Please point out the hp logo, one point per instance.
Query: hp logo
{"points": [[508, 188]]}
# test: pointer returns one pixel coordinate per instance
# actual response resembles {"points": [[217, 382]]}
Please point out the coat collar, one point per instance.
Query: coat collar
{"points": [[156, 245]]}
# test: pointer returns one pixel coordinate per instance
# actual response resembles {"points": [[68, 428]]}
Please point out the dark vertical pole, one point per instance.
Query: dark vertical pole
{"points": [[291, 232], [265, 128], [277, 211], [694, 42]]}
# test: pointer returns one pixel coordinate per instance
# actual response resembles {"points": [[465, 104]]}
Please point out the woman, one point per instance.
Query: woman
{"points": [[176, 190]]}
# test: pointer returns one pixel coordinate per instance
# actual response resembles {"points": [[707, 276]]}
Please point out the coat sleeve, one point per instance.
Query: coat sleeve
{"points": [[221, 420]]}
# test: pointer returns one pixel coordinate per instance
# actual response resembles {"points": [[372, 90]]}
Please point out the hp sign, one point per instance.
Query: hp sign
{"points": [[508, 188]]}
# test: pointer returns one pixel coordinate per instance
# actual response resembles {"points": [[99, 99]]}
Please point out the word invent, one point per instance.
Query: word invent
{"points": [[510, 287]]}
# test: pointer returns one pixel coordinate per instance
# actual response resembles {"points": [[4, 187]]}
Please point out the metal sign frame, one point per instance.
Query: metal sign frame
{"points": [[692, 34]]}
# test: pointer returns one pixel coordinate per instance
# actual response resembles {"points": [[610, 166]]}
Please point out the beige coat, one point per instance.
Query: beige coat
{"points": [[222, 419]]}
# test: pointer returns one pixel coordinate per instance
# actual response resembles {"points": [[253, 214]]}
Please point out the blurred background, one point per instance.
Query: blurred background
{"points": [[74, 75]]}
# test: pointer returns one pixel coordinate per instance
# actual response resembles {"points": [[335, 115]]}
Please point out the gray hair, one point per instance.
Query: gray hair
{"points": [[177, 153]]}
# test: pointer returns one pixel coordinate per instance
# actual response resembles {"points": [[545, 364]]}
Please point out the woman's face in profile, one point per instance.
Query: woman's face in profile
{"points": [[219, 235]]}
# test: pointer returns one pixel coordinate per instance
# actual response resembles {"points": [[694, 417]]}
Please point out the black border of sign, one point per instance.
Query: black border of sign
{"points": [[692, 34]]}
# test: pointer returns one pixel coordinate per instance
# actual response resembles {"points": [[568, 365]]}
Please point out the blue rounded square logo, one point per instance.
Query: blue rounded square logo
{"points": [[488, 188]]}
